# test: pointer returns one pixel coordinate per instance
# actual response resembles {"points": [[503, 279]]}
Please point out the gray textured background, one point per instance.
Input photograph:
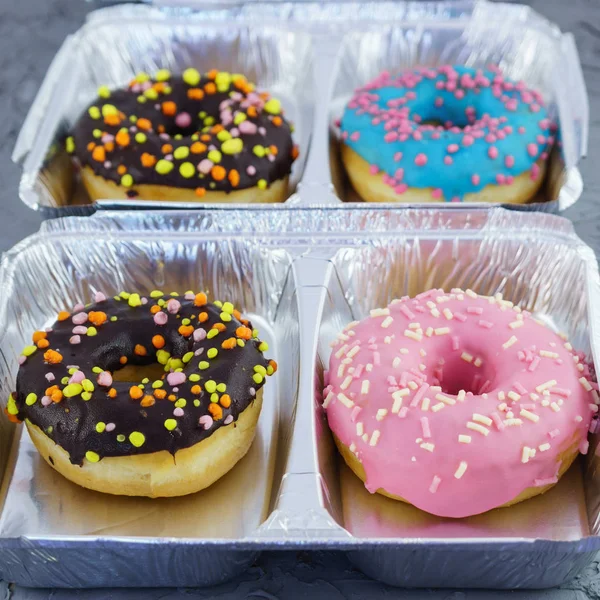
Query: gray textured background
{"points": [[30, 33]]}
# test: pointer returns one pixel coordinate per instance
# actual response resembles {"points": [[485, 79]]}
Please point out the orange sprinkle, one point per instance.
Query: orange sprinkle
{"points": [[196, 389], [50, 389], [143, 124], [264, 95], [202, 317], [205, 137], [135, 392], [140, 350], [52, 357], [97, 317], [147, 401], [200, 192], [56, 396], [166, 149], [212, 74], [218, 173], [277, 121], [186, 330], [216, 411], [234, 177], [161, 129], [148, 160], [219, 327], [210, 88], [216, 128], [239, 82], [229, 344], [154, 309], [121, 169], [172, 397], [63, 315], [197, 148], [160, 394], [274, 365], [12, 418], [237, 314], [159, 86], [112, 120], [169, 108], [225, 401], [274, 150], [109, 146], [122, 138], [251, 111], [295, 152], [200, 299], [195, 94], [158, 341], [99, 154], [244, 321], [244, 332], [43, 343], [112, 393], [38, 335], [123, 360]]}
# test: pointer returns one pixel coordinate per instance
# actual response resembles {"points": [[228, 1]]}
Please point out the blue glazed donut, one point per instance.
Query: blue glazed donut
{"points": [[451, 133]]}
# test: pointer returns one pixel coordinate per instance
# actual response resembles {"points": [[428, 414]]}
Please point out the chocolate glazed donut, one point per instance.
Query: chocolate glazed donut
{"points": [[167, 437], [193, 137]]}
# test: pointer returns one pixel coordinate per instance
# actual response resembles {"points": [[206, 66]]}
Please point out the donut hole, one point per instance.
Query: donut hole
{"points": [[135, 373], [457, 374]]}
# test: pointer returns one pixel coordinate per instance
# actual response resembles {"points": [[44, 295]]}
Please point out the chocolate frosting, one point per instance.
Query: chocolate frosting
{"points": [[209, 132], [186, 413]]}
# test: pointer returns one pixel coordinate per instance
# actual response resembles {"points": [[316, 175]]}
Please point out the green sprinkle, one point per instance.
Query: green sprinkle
{"points": [[203, 365], [64, 380], [210, 386], [181, 152], [162, 356], [88, 386], [145, 380], [187, 357], [176, 363], [191, 77], [140, 137], [117, 298], [73, 389], [94, 112], [162, 75], [232, 146], [180, 403], [113, 319], [202, 114], [170, 424], [174, 294], [92, 331], [97, 133], [228, 307], [194, 377], [29, 350], [187, 170], [223, 80], [272, 106], [209, 121], [196, 403], [103, 92], [214, 156], [255, 333], [142, 77], [31, 399], [214, 398], [151, 94], [134, 300], [127, 180], [260, 369], [142, 99], [120, 438], [263, 346], [185, 321], [258, 378], [96, 370], [226, 317], [221, 387], [70, 145], [163, 167], [137, 438], [161, 303], [262, 184], [11, 406], [92, 456], [100, 427], [218, 303], [157, 384], [109, 109], [133, 118], [239, 118], [223, 135], [212, 352], [270, 370], [72, 370], [124, 295], [49, 429], [156, 294], [259, 151], [241, 343], [212, 333], [86, 396]]}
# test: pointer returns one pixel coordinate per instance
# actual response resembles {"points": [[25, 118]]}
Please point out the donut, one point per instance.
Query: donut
{"points": [[452, 133], [457, 403], [173, 434], [209, 138]]}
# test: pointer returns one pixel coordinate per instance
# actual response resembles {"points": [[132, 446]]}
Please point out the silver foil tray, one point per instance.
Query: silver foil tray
{"points": [[312, 55], [314, 271]]}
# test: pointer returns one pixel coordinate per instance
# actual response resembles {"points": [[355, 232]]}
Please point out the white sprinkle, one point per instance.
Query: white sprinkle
{"points": [[345, 400], [568, 346], [369, 367], [534, 396], [365, 437], [586, 384], [471, 293], [341, 351], [345, 384], [514, 396], [403, 350], [544, 386], [575, 358], [409, 333], [512, 340], [414, 326], [442, 330], [347, 361], [374, 438], [467, 357], [529, 415], [341, 369], [403, 412], [343, 337], [555, 407], [501, 395], [353, 351], [412, 385], [435, 312], [398, 396], [513, 422], [477, 362], [425, 405], [360, 429], [352, 447], [545, 402], [580, 368], [578, 419], [351, 325], [381, 414], [481, 419], [437, 406], [396, 362], [425, 427], [448, 314], [544, 447], [328, 399], [525, 454], [380, 312], [464, 439], [593, 408], [434, 484], [445, 399], [422, 352], [364, 387], [462, 467], [429, 331], [422, 367], [547, 354], [516, 324], [477, 427], [427, 446], [387, 322], [596, 397], [461, 395], [502, 406], [387, 339], [475, 310]]}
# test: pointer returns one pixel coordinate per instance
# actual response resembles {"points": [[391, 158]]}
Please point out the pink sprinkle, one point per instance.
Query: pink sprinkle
{"points": [[421, 160], [438, 373], [178, 412], [80, 318], [391, 380], [99, 297], [46, 401], [425, 427], [493, 152], [161, 318], [500, 179], [474, 310], [509, 161], [372, 346], [80, 329], [373, 169], [21, 360], [521, 130], [358, 371], [434, 484], [532, 149], [554, 433], [460, 317], [77, 377], [206, 421], [511, 104], [519, 387], [436, 193], [475, 179], [485, 324], [490, 138], [406, 311], [438, 102], [355, 136], [78, 307], [105, 379], [476, 382], [49, 376], [247, 127], [468, 140], [497, 421], [546, 481], [355, 412], [529, 405], [189, 296], [448, 160], [376, 358], [228, 419], [534, 108], [584, 447], [485, 387], [183, 120], [420, 394], [561, 392], [205, 165], [534, 364], [403, 412], [535, 171], [399, 174], [199, 334], [110, 427], [455, 342], [401, 189], [452, 148], [173, 306], [593, 425], [176, 378], [251, 170]]}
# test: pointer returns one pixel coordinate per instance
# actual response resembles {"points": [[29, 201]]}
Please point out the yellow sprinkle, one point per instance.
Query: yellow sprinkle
{"points": [[92, 456], [170, 424], [31, 399], [137, 439], [100, 427]]}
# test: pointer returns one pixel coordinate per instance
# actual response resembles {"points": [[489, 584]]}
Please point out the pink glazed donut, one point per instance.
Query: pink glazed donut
{"points": [[457, 403]]}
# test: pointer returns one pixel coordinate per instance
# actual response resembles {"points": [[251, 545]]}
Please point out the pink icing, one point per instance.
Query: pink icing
{"points": [[552, 406]]}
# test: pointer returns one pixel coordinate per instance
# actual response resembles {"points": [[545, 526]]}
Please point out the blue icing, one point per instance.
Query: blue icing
{"points": [[418, 88]]}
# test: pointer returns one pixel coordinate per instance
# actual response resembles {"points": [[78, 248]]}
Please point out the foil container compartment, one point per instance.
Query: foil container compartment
{"points": [[315, 270], [312, 55]]}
